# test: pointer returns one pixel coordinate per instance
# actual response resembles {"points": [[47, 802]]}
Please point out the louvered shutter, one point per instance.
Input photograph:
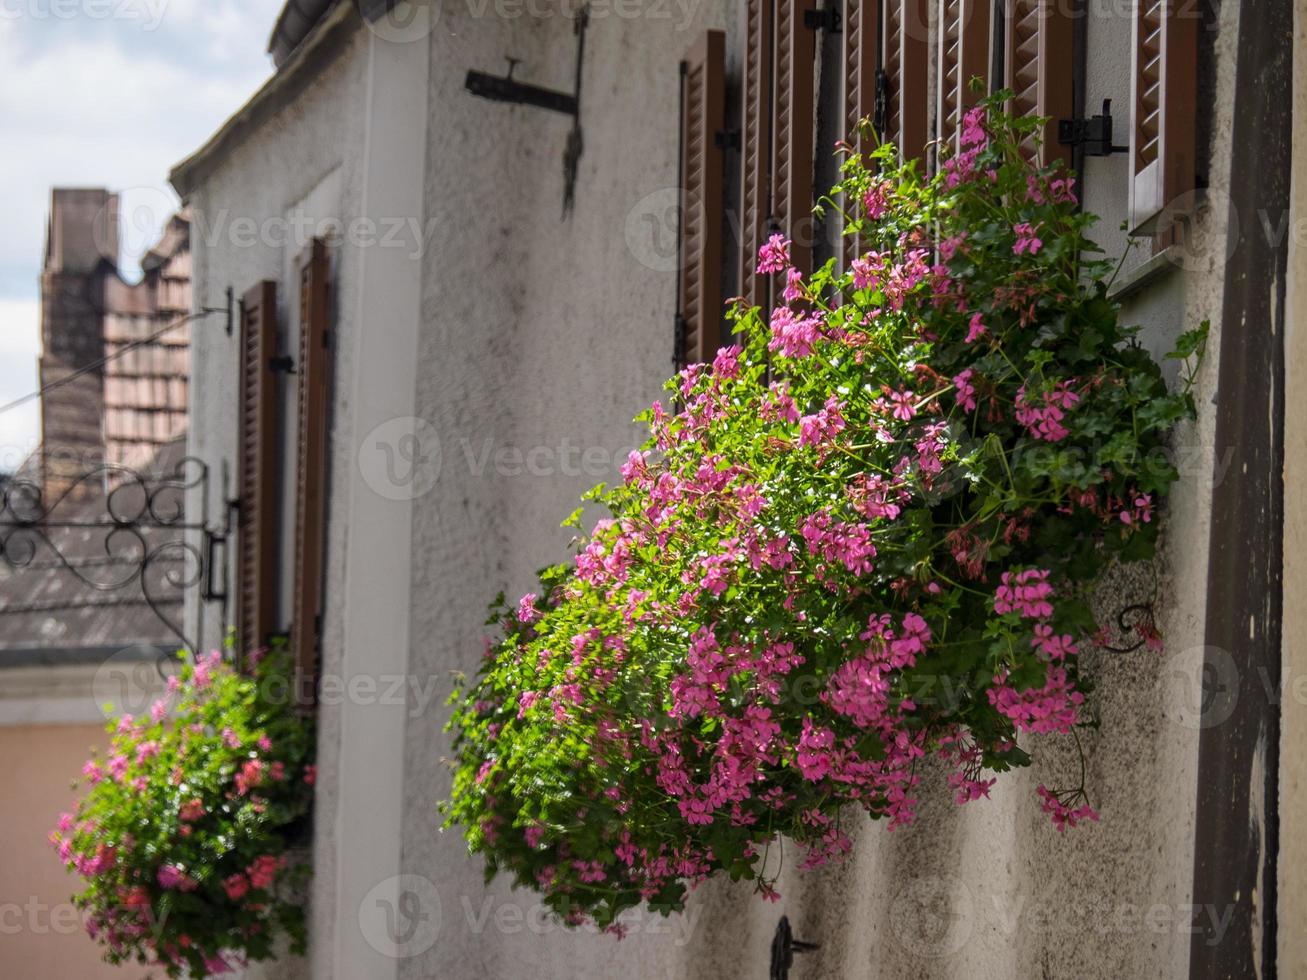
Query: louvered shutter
{"points": [[964, 35], [905, 61], [257, 451], [314, 366], [1038, 63], [1162, 138], [861, 50], [793, 149], [703, 115], [755, 145]]}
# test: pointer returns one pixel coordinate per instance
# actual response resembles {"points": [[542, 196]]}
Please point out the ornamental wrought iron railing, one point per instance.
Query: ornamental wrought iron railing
{"points": [[127, 533]]}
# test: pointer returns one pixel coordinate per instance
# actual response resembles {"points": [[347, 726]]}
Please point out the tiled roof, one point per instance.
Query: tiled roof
{"points": [[145, 379], [296, 20]]}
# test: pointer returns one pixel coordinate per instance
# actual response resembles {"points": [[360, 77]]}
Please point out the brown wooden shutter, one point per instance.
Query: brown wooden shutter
{"points": [[703, 117], [793, 149], [257, 526], [905, 60], [861, 51], [964, 35], [755, 145], [314, 367], [1038, 63], [1162, 137]]}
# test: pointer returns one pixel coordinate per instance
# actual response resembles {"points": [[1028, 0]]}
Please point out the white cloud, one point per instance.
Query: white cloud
{"points": [[20, 345], [103, 102], [20, 329], [65, 126], [231, 31]]}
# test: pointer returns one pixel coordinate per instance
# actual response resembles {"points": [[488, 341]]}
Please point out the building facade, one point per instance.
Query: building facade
{"points": [[113, 353], [454, 304]]}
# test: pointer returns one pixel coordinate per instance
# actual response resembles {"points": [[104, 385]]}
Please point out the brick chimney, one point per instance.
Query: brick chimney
{"points": [[81, 252]]}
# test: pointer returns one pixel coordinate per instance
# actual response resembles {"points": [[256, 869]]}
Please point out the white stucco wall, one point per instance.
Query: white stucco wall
{"points": [[303, 165], [542, 336]]}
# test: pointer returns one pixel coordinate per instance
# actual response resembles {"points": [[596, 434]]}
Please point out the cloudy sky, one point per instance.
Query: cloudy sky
{"points": [[104, 93]]}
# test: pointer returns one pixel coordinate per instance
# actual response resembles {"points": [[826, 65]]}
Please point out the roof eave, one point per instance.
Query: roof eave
{"points": [[315, 52]]}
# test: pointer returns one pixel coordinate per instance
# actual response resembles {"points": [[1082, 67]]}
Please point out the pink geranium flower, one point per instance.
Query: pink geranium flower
{"points": [[171, 876], [1027, 240], [236, 886], [191, 811], [774, 256]]}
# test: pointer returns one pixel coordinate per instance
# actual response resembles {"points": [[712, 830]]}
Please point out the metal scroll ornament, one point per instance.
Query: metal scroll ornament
{"points": [[118, 530]]}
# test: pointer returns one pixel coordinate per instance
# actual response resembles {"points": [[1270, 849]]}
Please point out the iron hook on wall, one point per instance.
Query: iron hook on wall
{"points": [[506, 88], [227, 310], [783, 949]]}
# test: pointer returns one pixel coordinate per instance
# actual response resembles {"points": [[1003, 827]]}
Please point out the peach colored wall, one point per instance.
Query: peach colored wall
{"points": [[41, 933]]}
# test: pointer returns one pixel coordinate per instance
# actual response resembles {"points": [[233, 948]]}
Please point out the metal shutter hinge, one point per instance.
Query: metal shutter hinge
{"points": [[880, 112], [828, 18], [678, 343], [1095, 134]]}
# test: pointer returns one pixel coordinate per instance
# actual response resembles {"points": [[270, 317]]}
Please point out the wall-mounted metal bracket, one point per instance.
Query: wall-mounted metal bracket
{"points": [[228, 310], [506, 88], [285, 364], [215, 557], [1094, 135], [827, 18], [727, 139], [783, 948]]}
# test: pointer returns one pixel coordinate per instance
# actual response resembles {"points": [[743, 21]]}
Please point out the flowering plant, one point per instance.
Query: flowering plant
{"points": [[864, 536], [182, 834]]}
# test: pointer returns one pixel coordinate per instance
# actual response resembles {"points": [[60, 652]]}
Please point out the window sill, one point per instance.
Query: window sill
{"points": [[1145, 274]]}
